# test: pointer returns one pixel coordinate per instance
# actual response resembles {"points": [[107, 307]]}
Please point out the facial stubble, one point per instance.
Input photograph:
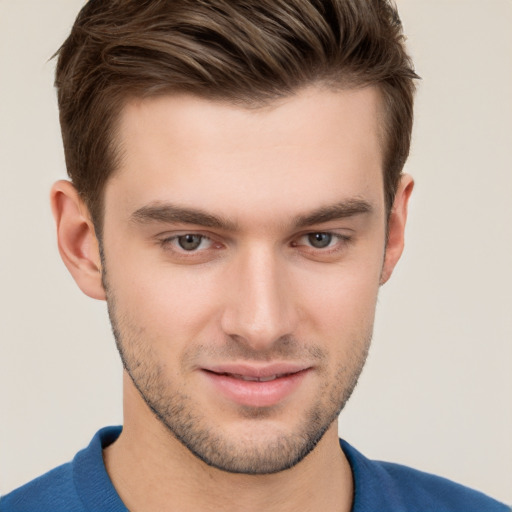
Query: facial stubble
{"points": [[183, 418]]}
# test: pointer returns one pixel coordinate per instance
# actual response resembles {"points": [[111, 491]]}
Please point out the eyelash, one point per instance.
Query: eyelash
{"points": [[166, 242], [340, 243], [336, 237]]}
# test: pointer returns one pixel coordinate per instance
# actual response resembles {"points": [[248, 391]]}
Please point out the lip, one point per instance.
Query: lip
{"points": [[256, 385]]}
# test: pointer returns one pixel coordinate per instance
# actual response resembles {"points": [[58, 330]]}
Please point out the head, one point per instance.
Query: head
{"points": [[247, 53], [237, 198]]}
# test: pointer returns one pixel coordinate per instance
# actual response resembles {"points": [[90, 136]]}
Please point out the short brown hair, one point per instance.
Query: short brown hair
{"points": [[244, 51]]}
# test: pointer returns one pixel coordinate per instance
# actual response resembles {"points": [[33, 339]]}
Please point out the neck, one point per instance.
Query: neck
{"points": [[151, 470]]}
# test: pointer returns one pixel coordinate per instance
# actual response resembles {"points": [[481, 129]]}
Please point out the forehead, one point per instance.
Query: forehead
{"points": [[316, 146]]}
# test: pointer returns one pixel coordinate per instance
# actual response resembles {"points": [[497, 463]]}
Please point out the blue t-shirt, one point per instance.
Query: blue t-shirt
{"points": [[83, 485]]}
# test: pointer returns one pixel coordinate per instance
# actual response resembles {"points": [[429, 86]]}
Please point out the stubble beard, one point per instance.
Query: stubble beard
{"points": [[182, 418]]}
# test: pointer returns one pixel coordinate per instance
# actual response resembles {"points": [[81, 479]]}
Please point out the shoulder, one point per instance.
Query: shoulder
{"points": [[53, 491], [78, 486], [433, 492], [393, 487]]}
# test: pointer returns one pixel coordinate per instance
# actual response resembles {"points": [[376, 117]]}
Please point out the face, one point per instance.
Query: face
{"points": [[243, 252]]}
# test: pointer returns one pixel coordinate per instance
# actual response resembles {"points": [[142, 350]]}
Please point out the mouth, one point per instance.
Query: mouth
{"points": [[256, 386], [250, 378]]}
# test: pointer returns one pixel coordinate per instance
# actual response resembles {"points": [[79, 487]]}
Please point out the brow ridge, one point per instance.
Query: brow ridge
{"points": [[173, 214], [341, 210]]}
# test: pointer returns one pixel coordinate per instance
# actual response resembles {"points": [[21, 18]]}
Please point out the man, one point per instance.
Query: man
{"points": [[237, 199]]}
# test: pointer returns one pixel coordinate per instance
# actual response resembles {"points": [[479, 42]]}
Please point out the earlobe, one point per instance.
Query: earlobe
{"points": [[396, 227], [77, 242]]}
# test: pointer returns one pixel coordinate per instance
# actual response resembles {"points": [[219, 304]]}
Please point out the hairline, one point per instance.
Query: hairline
{"points": [[117, 149]]}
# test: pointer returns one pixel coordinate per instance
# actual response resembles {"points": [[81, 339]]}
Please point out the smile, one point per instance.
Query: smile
{"points": [[254, 386], [256, 379]]}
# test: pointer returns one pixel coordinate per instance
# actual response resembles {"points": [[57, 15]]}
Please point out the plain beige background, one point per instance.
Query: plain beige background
{"points": [[437, 390]]}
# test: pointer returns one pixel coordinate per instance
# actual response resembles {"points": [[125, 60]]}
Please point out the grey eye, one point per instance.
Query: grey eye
{"points": [[319, 240], [190, 242]]}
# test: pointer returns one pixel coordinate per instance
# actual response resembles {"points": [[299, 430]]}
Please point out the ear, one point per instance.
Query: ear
{"points": [[76, 238], [396, 227]]}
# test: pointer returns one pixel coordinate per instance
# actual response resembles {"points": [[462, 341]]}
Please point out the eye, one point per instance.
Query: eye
{"points": [[322, 245], [319, 240], [189, 242], [190, 248]]}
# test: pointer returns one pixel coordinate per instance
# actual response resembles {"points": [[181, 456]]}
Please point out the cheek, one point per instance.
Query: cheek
{"points": [[168, 303], [343, 296], [175, 304], [343, 314]]}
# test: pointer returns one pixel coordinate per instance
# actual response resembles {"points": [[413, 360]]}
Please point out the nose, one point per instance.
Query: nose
{"points": [[260, 308]]}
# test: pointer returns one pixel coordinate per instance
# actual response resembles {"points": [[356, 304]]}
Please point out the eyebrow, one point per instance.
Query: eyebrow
{"points": [[341, 210], [173, 214]]}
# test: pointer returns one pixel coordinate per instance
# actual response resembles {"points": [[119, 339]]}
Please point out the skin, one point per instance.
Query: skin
{"points": [[273, 184]]}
